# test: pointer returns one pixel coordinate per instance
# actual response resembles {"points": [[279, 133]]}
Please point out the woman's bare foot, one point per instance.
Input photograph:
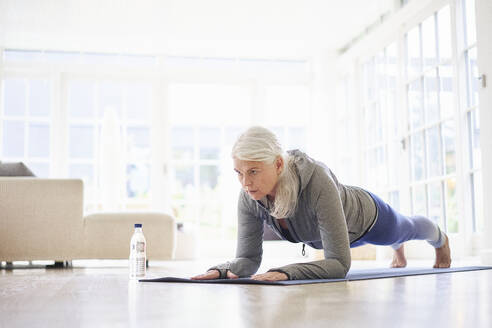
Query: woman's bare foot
{"points": [[399, 260], [443, 255]]}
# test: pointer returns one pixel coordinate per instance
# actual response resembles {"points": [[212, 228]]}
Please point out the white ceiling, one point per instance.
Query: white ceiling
{"points": [[194, 27]]}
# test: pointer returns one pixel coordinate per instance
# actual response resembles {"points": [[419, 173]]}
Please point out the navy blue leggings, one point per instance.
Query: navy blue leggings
{"points": [[392, 228]]}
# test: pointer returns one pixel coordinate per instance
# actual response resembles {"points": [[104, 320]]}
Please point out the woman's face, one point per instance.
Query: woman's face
{"points": [[258, 179]]}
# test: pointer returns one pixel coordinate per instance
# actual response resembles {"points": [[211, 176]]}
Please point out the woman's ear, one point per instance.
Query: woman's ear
{"points": [[279, 164]]}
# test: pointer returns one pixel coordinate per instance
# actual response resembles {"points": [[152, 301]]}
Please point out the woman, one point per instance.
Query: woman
{"points": [[302, 201]]}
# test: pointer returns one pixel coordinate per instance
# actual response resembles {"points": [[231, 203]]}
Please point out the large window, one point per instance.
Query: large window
{"points": [[381, 116], [25, 114], [108, 134], [431, 118], [148, 132], [346, 119], [205, 120], [426, 117]]}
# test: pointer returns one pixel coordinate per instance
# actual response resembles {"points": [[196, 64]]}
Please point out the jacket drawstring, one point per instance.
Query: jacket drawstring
{"points": [[303, 250]]}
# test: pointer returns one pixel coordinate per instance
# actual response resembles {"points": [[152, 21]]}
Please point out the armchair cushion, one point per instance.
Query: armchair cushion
{"points": [[110, 233]]}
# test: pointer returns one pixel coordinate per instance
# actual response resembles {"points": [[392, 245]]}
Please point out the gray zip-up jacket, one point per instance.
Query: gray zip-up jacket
{"points": [[329, 216]]}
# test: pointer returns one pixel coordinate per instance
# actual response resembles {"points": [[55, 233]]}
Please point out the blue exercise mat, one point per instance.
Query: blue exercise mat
{"points": [[351, 276]]}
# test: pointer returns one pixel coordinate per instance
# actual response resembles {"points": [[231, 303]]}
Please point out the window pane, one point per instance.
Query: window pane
{"points": [[370, 121], [14, 97], [470, 22], [138, 181], [138, 141], [475, 135], [434, 152], [208, 177], [370, 158], [81, 142], [369, 80], [477, 200], [138, 101], [419, 200], [139, 136], [394, 156], [429, 42], [182, 143], [415, 103], [41, 170], [296, 138], [81, 99], [392, 65], [381, 82], [209, 143], [431, 94], [394, 200], [377, 173], [39, 98], [39, 140], [279, 132], [231, 135], [451, 206], [13, 139], [413, 52], [82, 171], [374, 124], [210, 214], [378, 127], [184, 212], [393, 114], [448, 135], [444, 34], [417, 144], [446, 95], [183, 183], [472, 77], [435, 203], [110, 96]]}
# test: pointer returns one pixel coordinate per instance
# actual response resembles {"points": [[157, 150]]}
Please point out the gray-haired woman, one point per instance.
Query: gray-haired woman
{"points": [[302, 201]]}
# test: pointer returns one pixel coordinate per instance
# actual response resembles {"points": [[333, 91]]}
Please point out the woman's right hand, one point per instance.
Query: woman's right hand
{"points": [[213, 274]]}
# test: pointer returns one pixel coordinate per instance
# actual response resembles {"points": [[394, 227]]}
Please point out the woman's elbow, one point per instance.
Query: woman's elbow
{"points": [[344, 268]]}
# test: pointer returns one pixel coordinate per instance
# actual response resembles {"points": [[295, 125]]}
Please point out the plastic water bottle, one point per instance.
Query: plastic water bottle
{"points": [[138, 253]]}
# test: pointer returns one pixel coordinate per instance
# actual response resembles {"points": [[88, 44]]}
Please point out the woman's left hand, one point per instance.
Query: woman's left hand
{"points": [[270, 276]]}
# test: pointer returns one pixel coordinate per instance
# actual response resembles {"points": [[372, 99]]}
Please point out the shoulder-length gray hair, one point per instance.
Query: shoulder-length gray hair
{"points": [[261, 145]]}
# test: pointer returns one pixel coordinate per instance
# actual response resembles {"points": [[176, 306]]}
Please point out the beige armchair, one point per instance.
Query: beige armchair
{"points": [[42, 219]]}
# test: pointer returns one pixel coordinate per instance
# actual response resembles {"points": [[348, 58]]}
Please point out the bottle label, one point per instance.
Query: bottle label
{"points": [[140, 267], [140, 247]]}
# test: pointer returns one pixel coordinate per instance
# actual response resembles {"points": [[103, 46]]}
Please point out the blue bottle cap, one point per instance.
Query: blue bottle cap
{"points": [[138, 225]]}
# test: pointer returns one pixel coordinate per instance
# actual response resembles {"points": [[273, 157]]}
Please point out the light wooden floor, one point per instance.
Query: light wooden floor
{"points": [[102, 296]]}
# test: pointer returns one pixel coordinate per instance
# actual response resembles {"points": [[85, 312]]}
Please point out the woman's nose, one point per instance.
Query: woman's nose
{"points": [[246, 181]]}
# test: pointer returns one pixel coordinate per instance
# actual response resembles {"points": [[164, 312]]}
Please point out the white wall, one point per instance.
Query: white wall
{"points": [[212, 27]]}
